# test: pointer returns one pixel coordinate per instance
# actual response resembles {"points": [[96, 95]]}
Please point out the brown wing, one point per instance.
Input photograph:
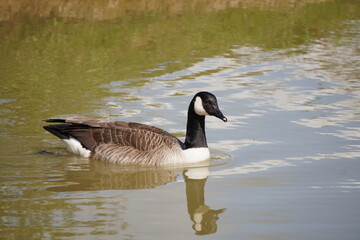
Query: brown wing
{"points": [[92, 132]]}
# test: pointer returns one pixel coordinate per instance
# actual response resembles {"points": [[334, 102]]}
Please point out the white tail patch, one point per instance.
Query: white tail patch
{"points": [[74, 146], [199, 108]]}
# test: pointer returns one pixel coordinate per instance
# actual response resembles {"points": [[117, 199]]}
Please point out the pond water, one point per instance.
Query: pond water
{"points": [[285, 166]]}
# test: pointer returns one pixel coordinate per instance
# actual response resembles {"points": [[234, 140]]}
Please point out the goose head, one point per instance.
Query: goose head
{"points": [[205, 104]]}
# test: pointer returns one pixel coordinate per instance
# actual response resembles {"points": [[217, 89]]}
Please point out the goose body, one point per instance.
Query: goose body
{"points": [[135, 143]]}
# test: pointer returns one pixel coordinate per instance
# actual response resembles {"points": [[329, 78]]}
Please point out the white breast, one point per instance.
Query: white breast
{"points": [[196, 154]]}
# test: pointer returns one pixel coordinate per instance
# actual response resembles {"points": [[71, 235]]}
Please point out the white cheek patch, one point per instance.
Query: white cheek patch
{"points": [[199, 108]]}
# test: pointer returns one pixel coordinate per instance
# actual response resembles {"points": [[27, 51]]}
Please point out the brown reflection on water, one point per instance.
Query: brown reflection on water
{"points": [[112, 9], [103, 176]]}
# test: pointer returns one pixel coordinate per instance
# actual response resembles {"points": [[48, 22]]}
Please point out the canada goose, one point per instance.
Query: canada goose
{"points": [[135, 143]]}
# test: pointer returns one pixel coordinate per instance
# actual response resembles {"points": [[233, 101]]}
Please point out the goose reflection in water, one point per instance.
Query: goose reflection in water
{"points": [[101, 176], [203, 216]]}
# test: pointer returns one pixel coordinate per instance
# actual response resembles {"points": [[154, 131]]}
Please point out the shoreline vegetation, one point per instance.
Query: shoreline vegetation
{"points": [[105, 10]]}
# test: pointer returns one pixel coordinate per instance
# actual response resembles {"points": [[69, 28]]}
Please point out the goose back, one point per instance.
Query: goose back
{"points": [[119, 141]]}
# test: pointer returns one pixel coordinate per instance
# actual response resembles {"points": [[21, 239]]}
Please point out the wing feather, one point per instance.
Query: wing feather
{"points": [[92, 133]]}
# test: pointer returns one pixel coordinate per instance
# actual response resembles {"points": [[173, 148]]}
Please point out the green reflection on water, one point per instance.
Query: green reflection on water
{"points": [[55, 66]]}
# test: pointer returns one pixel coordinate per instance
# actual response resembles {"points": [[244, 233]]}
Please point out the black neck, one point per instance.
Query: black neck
{"points": [[195, 130]]}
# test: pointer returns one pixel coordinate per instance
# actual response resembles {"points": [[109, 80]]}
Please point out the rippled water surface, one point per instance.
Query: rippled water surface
{"points": [[285, 165]]}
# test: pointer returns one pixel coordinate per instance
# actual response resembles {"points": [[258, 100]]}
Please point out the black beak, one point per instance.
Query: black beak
{"points": [[218, 114]]}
